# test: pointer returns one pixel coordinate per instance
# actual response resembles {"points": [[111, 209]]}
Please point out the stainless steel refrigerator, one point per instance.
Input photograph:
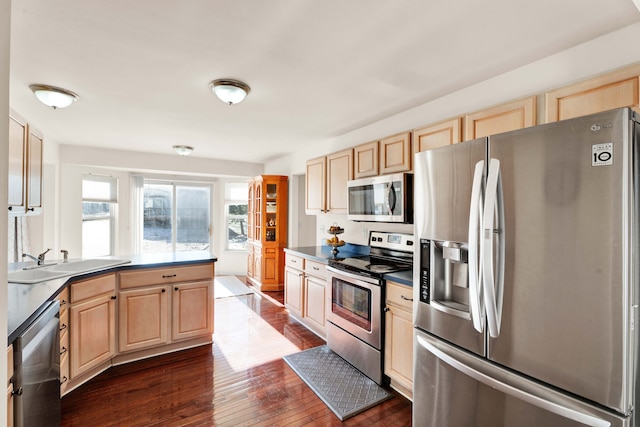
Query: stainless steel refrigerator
{"points": [[526, 277]]}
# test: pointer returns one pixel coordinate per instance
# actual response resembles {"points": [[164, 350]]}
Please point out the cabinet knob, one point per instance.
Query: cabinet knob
{"points": [[63, 326], [64, 380], [168, 276], [164, 290], [31, 209], [176, 288], [63, 350], [113, 297], [405, 298], [10, 208], [387, 309]]}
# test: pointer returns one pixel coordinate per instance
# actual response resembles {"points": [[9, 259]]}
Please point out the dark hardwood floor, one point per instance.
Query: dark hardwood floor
{"points": [[240, 380]]}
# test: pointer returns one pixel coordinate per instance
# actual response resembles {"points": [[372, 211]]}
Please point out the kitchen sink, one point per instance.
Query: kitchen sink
{"points": [[65, 269]]}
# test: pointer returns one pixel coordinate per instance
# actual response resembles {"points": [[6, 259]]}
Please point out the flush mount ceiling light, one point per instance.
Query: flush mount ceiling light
{"points": [[183, 150], [230, 91], [52, 96]]}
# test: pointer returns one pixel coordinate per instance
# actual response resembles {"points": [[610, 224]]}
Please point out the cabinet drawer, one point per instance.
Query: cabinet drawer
{"points": [[294, 261], [64, 323], [64, 342], [9, 364], [315, 268], [64, 372], [63, 299], [400, 295], [93, 287], [154, 276]]}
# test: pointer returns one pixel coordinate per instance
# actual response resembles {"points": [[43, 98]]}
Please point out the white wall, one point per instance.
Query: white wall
{"points": [[598, 56], [5, 25]]}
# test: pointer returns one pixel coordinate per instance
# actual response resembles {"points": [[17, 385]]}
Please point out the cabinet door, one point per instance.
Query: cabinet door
{"points": [[17, 165], [438, 135], [339, 171], [315, 302], [316, 190], [34, 172], [398, 348], [607, 92], [192, 314], [365, 157], [250, 261], [395, 153], [503, 118], [142, 318], [93, 337], [293, 291]]}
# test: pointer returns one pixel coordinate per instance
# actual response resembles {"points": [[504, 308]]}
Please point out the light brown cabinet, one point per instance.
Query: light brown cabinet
{"points": [[326, 183], [613, 90], [192, 310], [25, 167], [92, 318], [366, 160], [142, 318], [158, 310], [395, 153], [398, 347], [437, 135], [305, 292], [162, 305], [268, 236], [513, 115], [63, 300], [294, 285]]}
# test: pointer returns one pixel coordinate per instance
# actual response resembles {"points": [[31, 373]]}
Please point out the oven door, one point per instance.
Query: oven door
{"points": [[354, 304]]}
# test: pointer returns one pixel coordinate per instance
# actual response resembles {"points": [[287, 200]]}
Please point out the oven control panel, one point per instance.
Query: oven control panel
{"points": [[394, 241]]}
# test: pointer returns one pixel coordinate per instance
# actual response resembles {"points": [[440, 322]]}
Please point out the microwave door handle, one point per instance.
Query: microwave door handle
{"points": [[392, 196], [475, 264], [493, 284]]}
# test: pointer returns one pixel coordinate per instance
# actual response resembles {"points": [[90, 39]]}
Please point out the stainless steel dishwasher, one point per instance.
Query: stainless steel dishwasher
{"points": [[37, 371]]}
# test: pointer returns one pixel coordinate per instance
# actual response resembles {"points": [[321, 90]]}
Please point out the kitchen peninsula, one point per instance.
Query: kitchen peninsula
{"points": [[148, 305]]}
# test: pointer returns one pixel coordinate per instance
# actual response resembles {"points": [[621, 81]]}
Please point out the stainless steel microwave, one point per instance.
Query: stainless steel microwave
{"points": [[386, 198]]}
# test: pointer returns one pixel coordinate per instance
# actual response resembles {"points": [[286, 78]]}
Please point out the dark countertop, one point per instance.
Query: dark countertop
{"points": [[323, 254], [25, 302]]}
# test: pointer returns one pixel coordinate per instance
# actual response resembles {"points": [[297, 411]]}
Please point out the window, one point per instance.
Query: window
{"points": [[99, 201], [176, 217], [236, 216]]}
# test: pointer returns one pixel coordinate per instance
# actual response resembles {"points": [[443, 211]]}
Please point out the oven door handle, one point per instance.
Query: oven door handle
{"points": [[353, 276]]}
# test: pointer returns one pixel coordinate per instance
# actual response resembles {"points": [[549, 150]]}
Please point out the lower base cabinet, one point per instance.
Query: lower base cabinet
{"points": [[305, 292], [398, 347], [158, 310]]}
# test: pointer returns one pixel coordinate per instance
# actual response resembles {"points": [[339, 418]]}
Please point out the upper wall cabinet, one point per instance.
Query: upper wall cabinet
{"points": [[25, 167], [502, 118], [438, 135], [614, 90], [365, 157], [339, 171], [395, 153], [327, 182]]}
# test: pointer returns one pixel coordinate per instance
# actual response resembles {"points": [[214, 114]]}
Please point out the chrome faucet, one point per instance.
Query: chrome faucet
{"points": [[40, 259], [65, 253]]}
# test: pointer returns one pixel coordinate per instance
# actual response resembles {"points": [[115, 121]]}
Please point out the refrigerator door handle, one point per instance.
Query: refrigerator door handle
{"points": [[508, 389], [475, 263], [492, 283]]}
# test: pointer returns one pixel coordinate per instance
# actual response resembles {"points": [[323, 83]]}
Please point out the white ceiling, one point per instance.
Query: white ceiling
{"points": [[317, 69]]}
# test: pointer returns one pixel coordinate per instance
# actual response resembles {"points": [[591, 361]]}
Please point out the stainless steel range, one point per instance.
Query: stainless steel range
{"points": [[355, 327]]}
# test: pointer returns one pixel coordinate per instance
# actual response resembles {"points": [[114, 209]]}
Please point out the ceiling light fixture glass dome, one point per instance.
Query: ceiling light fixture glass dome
{"points": [[230, 91], [54, 97], [183, 150]]}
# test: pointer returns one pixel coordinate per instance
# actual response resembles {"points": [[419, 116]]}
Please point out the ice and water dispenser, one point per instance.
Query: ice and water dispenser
{"points": [[444, 276]]}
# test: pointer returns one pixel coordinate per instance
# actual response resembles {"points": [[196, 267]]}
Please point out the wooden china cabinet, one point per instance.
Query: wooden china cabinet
{"points": [[267, 213]]}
